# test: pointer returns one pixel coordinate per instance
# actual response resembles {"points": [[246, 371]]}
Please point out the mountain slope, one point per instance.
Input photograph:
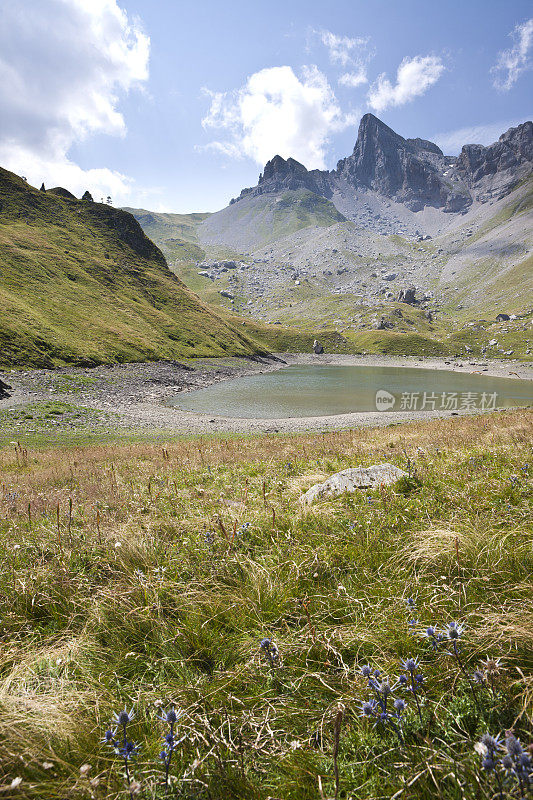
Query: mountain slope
{"points": [[259, 220], [174, 234], [81, 283]]}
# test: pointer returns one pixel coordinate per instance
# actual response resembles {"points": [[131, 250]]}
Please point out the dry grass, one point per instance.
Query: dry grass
{"points": [[149, 591]]}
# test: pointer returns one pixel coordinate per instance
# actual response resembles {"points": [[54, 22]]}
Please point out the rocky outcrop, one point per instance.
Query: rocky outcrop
{"points": [[281, 175], [407, 170], [408, 296], [493, 171], [4, 390]]}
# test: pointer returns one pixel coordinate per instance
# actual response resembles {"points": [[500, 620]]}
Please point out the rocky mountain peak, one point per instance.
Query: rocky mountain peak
{"points": [[278, 167], [414, 172], [372, 131], [409, 171], [493, 170]]}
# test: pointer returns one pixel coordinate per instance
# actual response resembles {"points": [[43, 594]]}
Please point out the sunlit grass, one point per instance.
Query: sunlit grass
{"points": [[127, 580]]}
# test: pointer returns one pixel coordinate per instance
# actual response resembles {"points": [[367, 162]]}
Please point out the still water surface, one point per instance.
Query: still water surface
{"points": [[309, 390]]}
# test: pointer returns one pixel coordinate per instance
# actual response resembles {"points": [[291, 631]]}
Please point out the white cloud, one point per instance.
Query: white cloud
{"points": [[451, 142], [340, 47], [413, 78], [513, 62], [63, 66], [350, 52], [354, 79], [276, 112]]}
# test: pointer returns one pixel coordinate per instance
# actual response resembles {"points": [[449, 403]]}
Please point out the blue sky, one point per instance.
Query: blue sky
{"points": [[175, 106]]}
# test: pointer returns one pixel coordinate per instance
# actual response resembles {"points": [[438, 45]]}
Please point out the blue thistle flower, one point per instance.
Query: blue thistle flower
{"points": [[507, 763], [171, 716], [128, 750], [367, 708], [513, 746], [271, 651], [455, 630], [434, 637], [525, 762], [399, 705], [109, 737], [123, 718], [491, 742], [366, 671], [410, 664]]}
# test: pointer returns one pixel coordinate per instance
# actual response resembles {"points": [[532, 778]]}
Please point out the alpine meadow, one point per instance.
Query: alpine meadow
{"points": [[266, 391]]}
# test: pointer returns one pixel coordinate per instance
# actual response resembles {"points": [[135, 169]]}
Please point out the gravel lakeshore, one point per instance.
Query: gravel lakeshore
{"points": [[136, 396]]}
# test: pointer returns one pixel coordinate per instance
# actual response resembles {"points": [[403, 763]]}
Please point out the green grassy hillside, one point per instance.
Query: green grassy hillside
{"points": [[81, 283], [175, 234]]}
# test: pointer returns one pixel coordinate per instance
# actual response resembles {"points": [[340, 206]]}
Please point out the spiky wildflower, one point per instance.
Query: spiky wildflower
{"points": [[171, 718], [515, 762], [488, 747], [411, 665], [399, 705], [270, 649], [367, 708], [378, 707], [454, 632], [521, 768], [118, 740], [432, 635], [478, 676], [492, 670]]}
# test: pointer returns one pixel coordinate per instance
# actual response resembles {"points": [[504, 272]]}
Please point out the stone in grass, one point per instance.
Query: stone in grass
{"points": [[351, 479], [4, 390]]}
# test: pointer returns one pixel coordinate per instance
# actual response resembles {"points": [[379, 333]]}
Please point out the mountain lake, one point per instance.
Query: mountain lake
{"points": [[312, 391]]}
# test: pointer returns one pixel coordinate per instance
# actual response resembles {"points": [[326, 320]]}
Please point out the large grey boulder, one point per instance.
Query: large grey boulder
{"points": [[351, 479], [407, 296], [3, 390]]}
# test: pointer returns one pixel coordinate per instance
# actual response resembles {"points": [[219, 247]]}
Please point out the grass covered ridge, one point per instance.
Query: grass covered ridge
{"points": [[81, 283], [175, 234], [177, 558]]}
